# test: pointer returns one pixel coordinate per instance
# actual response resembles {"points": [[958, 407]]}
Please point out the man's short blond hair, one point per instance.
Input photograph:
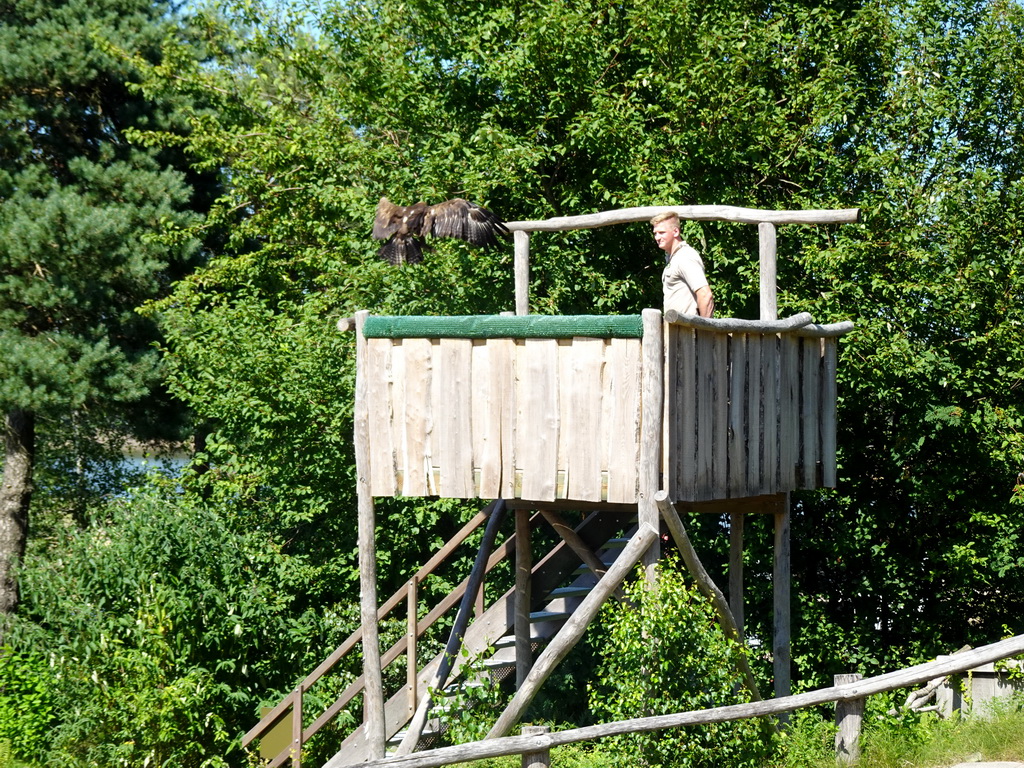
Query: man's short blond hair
{"points": [[666, 216]]}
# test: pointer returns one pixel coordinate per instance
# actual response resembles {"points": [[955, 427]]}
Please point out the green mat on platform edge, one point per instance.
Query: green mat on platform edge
{"points": [[502, 326]]}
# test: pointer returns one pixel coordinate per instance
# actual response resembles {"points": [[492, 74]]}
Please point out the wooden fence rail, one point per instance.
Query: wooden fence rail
{"points": [[518, 745], [687, 212], [765, 220]]}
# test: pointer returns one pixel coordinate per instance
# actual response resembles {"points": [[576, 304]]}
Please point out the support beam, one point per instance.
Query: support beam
{"points": [[781, 571], [769, 288], [849, 715], [576, 543], [736, 522], [687, 213], [524, 599], [540, 758], [522, 271], [373, 692], [411, 633], [653, 398]]}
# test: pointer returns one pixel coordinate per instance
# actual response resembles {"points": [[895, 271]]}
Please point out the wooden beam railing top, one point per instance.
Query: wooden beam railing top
{"points": [[890, 681], [765, 220], [689, 213]]}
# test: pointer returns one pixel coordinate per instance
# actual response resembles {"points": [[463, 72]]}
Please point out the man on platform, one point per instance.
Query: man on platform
{"points": [[685, 286]]}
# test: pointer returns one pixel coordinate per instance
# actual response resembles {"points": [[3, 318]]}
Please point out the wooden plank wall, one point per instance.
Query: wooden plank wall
{"points": [[538, 419], [748, 414]]}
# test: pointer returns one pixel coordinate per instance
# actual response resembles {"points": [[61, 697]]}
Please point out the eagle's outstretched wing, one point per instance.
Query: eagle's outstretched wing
{"points": [[466, 221], [406, 226]]}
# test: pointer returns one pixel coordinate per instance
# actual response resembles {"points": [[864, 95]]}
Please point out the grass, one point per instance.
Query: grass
{"points": [[568, 756], [998, 736], [916, 741]]}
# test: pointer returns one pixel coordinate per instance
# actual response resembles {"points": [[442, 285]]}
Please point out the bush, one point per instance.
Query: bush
{"points": [[163, 628], [26, 705], [664, 652]]}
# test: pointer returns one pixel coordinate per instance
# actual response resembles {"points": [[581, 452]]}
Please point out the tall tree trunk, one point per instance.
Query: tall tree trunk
{"points": [[15, 495]]}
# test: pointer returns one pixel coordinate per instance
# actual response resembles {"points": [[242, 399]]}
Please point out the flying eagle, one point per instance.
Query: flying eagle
{"points": [[406, 226]]}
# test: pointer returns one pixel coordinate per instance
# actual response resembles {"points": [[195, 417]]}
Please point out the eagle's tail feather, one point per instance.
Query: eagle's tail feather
{"points": [[401, 249]]}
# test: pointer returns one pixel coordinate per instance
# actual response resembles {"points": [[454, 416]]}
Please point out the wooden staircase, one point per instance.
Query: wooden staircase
{"points": [[559, 582]]}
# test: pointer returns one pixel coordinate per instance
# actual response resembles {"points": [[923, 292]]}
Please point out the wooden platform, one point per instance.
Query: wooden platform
{"points": [[555, 413]]}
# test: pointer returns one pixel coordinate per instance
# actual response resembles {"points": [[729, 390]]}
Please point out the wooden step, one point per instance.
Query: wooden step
{"points": [[574, 591], [537, 617]]}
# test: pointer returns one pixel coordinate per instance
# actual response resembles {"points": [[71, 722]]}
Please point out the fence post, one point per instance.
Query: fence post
{"points": [[848, 718], [540, 759], [297, 727], [412, 631], [522, 271]]}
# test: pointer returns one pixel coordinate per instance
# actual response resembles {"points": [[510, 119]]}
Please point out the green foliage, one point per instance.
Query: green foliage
{"points": [[913, 113], [663, 652], [907, 558], [467, 710], [80, 208], [568, 756], [914, 740], [164, 629], [27, 707]]}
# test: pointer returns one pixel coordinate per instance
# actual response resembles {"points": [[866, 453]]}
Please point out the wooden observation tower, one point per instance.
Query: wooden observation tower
{"points": [[626, 418]]}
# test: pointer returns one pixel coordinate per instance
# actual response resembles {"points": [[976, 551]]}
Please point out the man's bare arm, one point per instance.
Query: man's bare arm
{"points": [[705, 302]]}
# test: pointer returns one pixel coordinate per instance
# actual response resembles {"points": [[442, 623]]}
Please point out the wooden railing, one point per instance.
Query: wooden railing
{"points": [[533, 743], [291, 707], [766, 223]]}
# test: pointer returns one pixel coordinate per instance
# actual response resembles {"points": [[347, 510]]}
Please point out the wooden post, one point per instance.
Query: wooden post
{"points": [[736, 521], [523, 601], [575, 542], [541, 759], [781, 567], [478, 602], [849, 714], [296, 745], [829, 397], [522, 271], [769, 288], [653, 398], [780, 580], [411, 633], [373, 692]]}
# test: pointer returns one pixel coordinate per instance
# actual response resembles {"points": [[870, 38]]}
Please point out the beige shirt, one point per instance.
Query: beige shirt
{"points": [[682, 277]]}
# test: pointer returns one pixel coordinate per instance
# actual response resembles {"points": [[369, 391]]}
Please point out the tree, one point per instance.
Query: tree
{"points": [[910, 112], [919, 550], [78, 210], [536, 111]]}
